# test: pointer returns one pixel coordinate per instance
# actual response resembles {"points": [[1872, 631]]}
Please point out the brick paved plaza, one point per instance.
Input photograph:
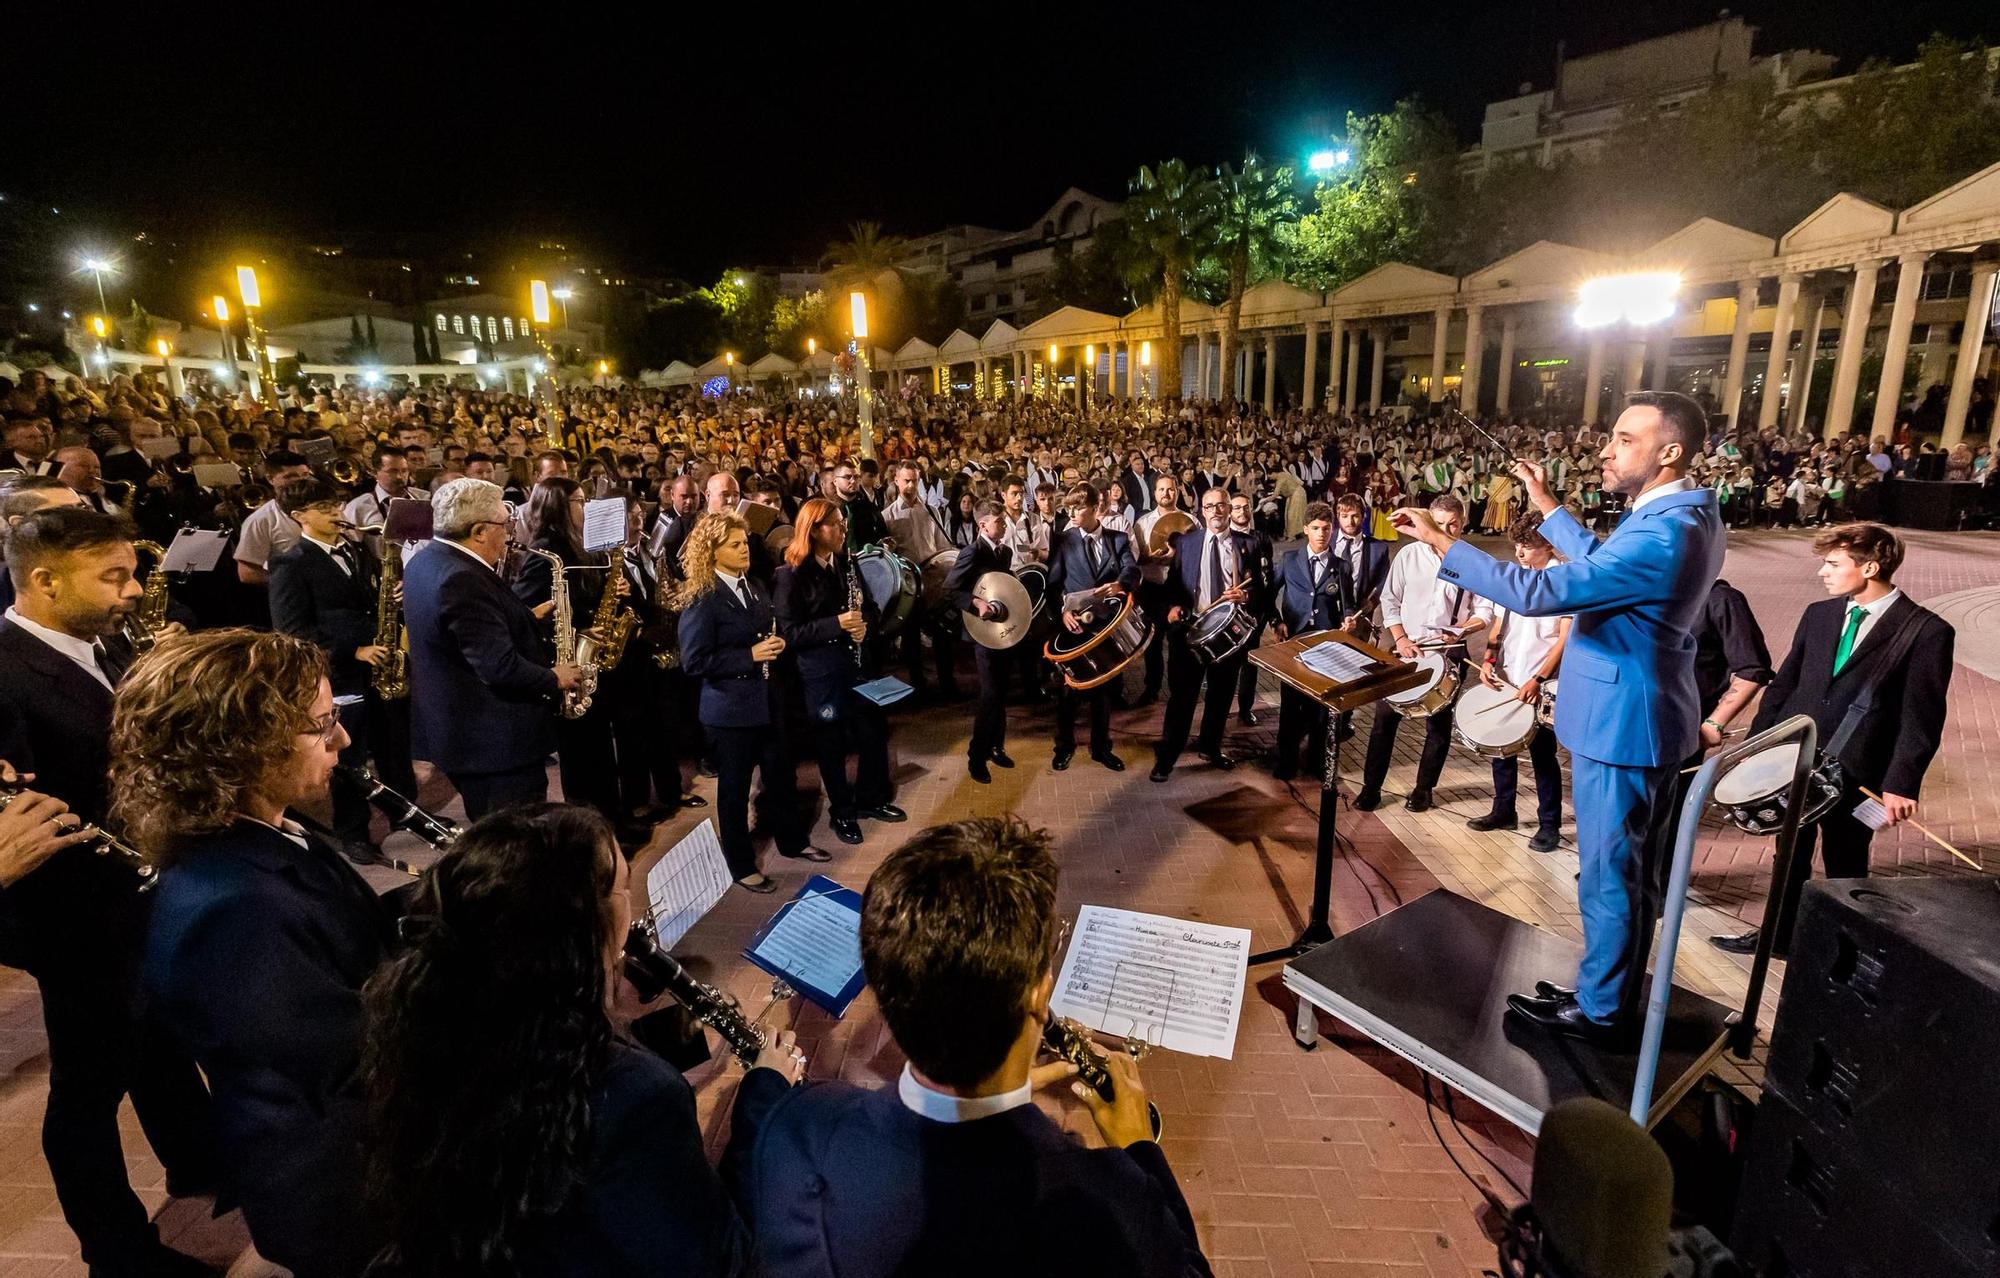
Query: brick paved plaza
{"points": [[1324, 1162]]}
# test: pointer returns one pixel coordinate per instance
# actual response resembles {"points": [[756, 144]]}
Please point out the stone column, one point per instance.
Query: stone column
{"points": [[1593, 379], [1270, 372], [1312, 366], [1504, 393], [1111, 384], [1896, 351], [1440, 346], [1781, 349], [1814, 309], [1351, 379], [1380, 337], [1020, 376], [1854, 315], [1978, 305], [1336, 340], [1475, 357], [1739, 351]]}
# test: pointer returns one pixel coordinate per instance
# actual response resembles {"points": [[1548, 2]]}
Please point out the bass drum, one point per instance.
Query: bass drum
{"points": [[1035, 580], [1114, 635], [1440, 685], [1494, 723], [933, 574], [1757, 791], [890, 582]]}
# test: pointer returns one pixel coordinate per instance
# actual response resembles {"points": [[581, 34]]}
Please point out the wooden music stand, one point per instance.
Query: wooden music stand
{"points": [[1386, 675]]}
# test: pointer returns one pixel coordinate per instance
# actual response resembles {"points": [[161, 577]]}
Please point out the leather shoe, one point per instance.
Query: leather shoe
{"points": [[847, 829], [888, 812], [1344, 732], [1551, 990], [1568, 1020], [1109, 760], [363, 853], [1248, 718], [693, 801], [1217, 760], [1001, 759], [811, 853], [1368, 800], [1492, 821], [1419, 801], [976, 769], [1741, 943], [1160, 772], [1061, 761], [758, 883], [1545, 840]]}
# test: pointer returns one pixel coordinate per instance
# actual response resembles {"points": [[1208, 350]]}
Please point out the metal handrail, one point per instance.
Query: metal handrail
{"points": [[1801, 729]]}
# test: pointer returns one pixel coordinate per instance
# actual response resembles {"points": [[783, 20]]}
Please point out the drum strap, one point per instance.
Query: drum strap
{"points": [[1859, 709]]}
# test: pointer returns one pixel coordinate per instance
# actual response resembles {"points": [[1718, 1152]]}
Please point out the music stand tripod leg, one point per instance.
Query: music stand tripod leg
{"points": [[1319, 928]]}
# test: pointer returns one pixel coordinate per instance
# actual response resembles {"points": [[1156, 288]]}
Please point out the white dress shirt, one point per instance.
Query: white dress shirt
{"points": [[81, 651], [1525, 642], [1681, 485], [1874, 613], [1029, 538], [468, 552], [1226, 554], [1414, 599], [735, 586], [942, 1107]]}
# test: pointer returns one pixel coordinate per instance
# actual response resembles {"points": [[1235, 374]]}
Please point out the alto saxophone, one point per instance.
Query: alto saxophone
{"points": [[667, 644], [611, 627], [143, 626], [571, 649], [392, 676]]}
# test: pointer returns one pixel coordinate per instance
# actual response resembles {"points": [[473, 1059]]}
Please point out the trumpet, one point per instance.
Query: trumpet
{"points": [[652, 970], [104, 843], [1070, 1041]]}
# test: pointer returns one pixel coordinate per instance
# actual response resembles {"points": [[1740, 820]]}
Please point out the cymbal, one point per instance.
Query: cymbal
{"points": [[1165, 529], [1007, 630]]}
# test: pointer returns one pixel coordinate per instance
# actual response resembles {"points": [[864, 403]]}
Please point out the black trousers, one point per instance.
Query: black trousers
{"points": [[378, 733], [944, 649], [1098, 699], [1382, 747], [389, 742], [586, 761], [647, 718], [989, 719], [739, 752], [1154, 602], [1300, 718], [1843, 852], [1548, 781], [350, 807], [863, 731], [486, 792], [1186, 678], [1246, 687]]}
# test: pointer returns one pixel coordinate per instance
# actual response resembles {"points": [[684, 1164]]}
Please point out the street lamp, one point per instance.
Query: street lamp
{"points": [[563, 295], [99, 268], [857, 308], [264, 379], [1637, 301], [538, 307], [218, 306], [1145, 361], [1322, 162]]}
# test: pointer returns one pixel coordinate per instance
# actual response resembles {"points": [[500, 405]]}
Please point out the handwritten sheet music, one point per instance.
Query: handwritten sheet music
{"points": [[603, 523], [1337, 661], [686, 883], [815, 943], [1171, 982]]}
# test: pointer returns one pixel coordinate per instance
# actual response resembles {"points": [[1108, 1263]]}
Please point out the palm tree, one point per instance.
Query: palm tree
{"points": [[1168, 220], [1253, 202]]}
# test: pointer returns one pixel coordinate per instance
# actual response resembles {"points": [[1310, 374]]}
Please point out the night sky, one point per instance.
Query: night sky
{"points": [[753, 133]]}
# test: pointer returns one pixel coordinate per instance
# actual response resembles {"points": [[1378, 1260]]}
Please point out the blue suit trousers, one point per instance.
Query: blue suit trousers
{"points": [[1624, 823]]}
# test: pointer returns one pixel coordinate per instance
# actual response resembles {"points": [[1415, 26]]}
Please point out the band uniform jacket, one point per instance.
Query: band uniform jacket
{"points": [[254, 962], [840, 1180], [974, 562], [1893, 746], [808, 601], [1070, 568], [717, 633], [1302, 607], [482, 692], [1253, 571], [1375, 558], [311, 597]]}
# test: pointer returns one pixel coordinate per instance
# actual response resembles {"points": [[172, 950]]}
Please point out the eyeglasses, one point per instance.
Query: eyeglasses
{"points": [[324, 729]]}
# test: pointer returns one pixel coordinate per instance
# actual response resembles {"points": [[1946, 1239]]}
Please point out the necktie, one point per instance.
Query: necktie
{"points": [[1096, 553], [1855, 616], [1319, 570], [343, 555], [1211, 572], [104, 666]]}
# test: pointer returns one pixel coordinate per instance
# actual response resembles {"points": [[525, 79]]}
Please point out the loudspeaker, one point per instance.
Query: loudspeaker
{"points": [[1878, 1115]]}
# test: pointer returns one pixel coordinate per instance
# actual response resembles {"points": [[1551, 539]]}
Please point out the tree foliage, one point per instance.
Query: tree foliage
{"points": [[1254, 203], [1397, 200], [1169, 219]]}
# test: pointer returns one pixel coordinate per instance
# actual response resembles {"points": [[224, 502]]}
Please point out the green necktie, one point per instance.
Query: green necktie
{"points": [[1846, 648]]}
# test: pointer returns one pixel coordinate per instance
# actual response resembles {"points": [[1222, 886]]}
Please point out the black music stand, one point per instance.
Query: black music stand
{"points": [[1388, 674]]}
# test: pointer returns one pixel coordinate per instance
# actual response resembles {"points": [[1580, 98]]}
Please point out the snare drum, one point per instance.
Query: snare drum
{"points": [[891, 584], [1222, 632], [1114, 635], [1494, 723], [1757, 790], [1440, 685]]}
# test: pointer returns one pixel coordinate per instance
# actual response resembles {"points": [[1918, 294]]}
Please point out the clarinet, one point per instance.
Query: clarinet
{"points": [[104, 843], [854, 604], [402, 811], [652, 970], [1071, 1042]]}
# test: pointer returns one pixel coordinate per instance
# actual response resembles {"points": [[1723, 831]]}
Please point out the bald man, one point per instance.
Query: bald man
{"points": [[83, 474]]}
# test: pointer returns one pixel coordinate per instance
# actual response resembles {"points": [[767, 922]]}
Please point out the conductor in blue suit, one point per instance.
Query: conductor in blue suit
{"points": [[1628, 711]]}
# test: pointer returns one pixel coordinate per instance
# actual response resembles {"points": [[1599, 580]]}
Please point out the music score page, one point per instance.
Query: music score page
{"points": [[1173, 983]]}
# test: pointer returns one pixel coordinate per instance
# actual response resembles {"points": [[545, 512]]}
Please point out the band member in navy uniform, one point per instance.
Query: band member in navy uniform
{"points": [[1214, 564], [1088, 557], [1242, 520], [730, 642], [825, 616], [987, 553], [1869, 639], [1308, 599]]}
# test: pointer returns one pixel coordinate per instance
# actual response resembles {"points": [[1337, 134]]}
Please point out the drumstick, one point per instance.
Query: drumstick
{"points": [[1922, 829]]}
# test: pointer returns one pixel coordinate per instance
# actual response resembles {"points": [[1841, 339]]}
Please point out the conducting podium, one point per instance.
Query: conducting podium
{"points": [[1341, 673]]}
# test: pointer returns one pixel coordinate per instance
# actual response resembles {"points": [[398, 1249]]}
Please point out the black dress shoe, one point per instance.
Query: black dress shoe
{"points": [[1345, 732], [811, 853], [1160, 772], [1741, 943], [976, 769], [1551, 990], [846, 829], [1216, 760], [1419, 801], [888, 812], [1001, 759], [758, 883], [1368, 800], [1568, 1020], [164, 1262], [360, 852], [1492, 821], [1545, 840], [693, 801], [1109, 760], [1061, 760], [1248, 718], [649, 813]]}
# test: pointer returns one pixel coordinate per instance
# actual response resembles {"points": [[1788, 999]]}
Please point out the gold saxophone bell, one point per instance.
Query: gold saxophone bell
{"points": [[143, 625], [344, 472]]}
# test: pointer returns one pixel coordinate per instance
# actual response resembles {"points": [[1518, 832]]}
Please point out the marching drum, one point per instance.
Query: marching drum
{"points": [[1220, 633], [1433, 694], [891, 583], [1494, 723], [1757, 790], [1114, 635], [934, 572]]}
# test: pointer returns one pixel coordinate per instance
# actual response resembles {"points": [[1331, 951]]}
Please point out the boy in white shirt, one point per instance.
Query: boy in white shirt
{"points": [[1522, 654]]}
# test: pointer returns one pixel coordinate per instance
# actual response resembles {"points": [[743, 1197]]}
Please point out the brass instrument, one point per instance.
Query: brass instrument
{"points": [[343, 471], [652, 970], [1070, 1041], [392, 675], [571, 649], [611, 627], [145, 622], [104, 843], [667, 644]]}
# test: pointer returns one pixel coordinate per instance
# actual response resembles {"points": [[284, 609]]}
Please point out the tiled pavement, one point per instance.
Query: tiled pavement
{"points": [[1323, 1162]]}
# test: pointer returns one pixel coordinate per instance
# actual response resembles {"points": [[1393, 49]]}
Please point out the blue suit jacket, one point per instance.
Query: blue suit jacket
{"points": [[717, 633], [1069, 564], [1300, 607], [482, 692], [1628, 694], [1184, 583]]}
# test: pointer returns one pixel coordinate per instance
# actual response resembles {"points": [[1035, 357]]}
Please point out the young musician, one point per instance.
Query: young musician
{"points": [[1214, 565], [955, 1169], [1088, 557], [1873, 669], [987, 553], [825, 616], [1363, 569], [261, 936], [730, 642], [1154, 596], [1732, 665], [643, 695], [1522, 654], [1308, 599], [76, 921], [514, 1125]]}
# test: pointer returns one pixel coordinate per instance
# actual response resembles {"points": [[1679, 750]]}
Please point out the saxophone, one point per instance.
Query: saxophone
{"points": [[143, 626], [611, 627], [571, 649], [392, 677], [667, 648]]}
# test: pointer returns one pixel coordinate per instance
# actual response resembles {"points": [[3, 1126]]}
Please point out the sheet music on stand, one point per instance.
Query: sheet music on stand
{"points": [[1170, 982], [686, 883], [1337, 662]]}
